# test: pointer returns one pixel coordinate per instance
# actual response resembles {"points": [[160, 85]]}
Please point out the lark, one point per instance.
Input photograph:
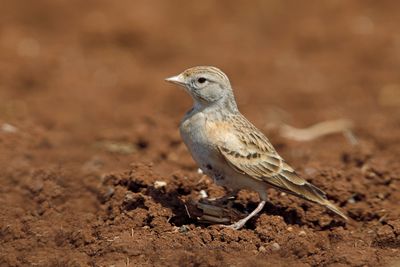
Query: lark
{"points": [[231, 150]]}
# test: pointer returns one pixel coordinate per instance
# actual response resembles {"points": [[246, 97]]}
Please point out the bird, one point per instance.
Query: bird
{"points": [[230, 149]]}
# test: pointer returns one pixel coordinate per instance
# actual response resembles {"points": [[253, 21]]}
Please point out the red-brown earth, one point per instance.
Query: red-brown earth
{"points": [[87, 126]]}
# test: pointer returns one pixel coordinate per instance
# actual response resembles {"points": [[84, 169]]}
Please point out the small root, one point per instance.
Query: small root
{"points": [[320, 129]]}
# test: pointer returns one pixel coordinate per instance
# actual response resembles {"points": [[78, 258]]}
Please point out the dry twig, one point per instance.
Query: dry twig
{"points": [[320, 129]]}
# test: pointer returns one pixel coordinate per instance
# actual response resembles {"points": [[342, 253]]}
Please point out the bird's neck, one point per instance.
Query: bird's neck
{"points": [[229, 105], [222, 106]]}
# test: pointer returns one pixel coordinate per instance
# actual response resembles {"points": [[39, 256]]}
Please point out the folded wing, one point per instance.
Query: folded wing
{"points": [[257, 159]]}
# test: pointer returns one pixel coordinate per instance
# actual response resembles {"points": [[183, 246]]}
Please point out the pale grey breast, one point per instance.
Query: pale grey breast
{"points": [[196, 136]]}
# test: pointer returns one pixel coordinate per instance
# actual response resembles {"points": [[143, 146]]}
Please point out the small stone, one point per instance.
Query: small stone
{"points": [[275, 247], [123, 148], [302, 233], [184, 229], [109, 193], [8, 128], [262, 249], [159, 184], [199, 171], [381, 196], [351, 200], [365, 168], [203, 194], [290, 229]]}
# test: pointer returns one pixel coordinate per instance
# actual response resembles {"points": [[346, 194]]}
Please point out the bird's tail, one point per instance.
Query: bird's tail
{"points": [[318, 196], [334, 209], [311, 193]]}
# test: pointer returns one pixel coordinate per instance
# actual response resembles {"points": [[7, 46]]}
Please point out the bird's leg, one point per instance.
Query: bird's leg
{"points": [[239, 224], [216, 210]]}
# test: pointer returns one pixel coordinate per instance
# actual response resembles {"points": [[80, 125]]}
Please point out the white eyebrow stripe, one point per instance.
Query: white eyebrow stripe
{"points": [[206, 69]]}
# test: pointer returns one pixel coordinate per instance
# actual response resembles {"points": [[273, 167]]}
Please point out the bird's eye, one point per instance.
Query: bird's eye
{"points": [[201, 80]]}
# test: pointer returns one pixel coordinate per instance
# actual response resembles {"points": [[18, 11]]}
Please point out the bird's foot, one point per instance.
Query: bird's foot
{"points": [[237, 225]]}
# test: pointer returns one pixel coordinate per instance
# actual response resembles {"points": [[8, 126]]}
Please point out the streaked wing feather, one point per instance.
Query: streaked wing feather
{"points": [[257, 157], [266, 167]]}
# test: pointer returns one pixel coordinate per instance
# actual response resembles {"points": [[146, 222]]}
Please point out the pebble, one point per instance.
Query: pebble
{"points": [[184, 229], [275, 246], [262, 249], [351, 200], [203, 194], [302, 233], [381, 196], [8, 128], [159, 184]]}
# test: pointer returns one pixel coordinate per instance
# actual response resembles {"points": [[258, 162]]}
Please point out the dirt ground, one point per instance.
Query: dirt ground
{"points": [[88, 129]]}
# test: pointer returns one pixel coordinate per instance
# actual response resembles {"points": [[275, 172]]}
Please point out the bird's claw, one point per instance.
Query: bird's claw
{"points": [[235, 226]]}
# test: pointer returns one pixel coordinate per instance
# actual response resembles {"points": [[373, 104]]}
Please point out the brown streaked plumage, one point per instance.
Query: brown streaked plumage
{"points": [[230, 149]]}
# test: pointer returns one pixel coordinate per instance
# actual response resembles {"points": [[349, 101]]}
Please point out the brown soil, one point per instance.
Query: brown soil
{"points": [[96, 126]]}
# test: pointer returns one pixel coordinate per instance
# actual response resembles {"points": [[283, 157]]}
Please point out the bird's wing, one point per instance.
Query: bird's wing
{"points": [[254, 156], [263, 166]]}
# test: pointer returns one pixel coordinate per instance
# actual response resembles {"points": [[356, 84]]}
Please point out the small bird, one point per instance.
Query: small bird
{"points": [[231, 150]]}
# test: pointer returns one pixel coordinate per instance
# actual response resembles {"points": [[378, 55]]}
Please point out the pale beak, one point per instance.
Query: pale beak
{"points": [[178, 79]]}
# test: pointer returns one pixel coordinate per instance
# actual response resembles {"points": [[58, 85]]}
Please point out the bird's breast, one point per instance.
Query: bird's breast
{"points": [[200, 138], [193, 131]]}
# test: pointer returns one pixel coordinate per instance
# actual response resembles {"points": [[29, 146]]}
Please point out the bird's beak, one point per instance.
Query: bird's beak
{"points": [[178, 79]]}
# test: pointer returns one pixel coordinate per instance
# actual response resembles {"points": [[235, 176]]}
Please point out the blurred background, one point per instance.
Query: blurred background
{"points": [[96, 69], [82, 88], [80, 65]]}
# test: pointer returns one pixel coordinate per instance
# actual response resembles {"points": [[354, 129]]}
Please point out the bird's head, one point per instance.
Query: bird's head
{"points": [[207, 85]]}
